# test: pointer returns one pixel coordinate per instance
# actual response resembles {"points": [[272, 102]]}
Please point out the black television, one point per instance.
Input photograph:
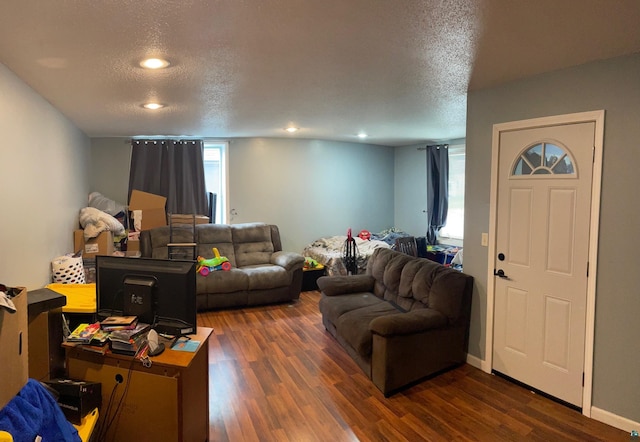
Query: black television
{"points": [[159, 291]]}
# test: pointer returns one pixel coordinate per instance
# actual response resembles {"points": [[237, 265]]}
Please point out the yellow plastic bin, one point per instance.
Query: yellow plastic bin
{"points": [[85, 429], [81, 298], [81, 302]]}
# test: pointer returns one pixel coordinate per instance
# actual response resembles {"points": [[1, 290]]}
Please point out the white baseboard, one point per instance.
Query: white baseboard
{"points": [[476, 362], [614, 420]]}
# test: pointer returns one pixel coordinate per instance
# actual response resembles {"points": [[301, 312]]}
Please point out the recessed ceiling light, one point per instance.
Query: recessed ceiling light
{"points": [[362, 135], [153, 106], [291, 129], [154, 63]]}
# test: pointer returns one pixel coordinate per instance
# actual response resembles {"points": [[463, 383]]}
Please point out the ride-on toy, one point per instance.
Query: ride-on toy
{"points": [[208, 265]]}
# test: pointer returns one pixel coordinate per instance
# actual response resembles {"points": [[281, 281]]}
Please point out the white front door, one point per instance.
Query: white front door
{"points": [[541, 256]]}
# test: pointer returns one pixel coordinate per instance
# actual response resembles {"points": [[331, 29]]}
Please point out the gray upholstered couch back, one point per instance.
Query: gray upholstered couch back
{"points": [[243, 244], [414, 283]]}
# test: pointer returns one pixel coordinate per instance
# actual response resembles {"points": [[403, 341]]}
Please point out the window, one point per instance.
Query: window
{"points": [[455, 216], [544, 159], [215, 175]]}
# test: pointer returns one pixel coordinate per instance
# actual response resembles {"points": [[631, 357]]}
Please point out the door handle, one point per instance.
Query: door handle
{"points": [[500, 273]]}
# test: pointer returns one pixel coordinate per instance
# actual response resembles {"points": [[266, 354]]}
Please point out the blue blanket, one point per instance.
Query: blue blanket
{"points": [[34, 412]]}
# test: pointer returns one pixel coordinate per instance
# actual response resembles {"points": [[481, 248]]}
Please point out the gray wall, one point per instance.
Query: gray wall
{"points": [[614, 86], [410, 190], [45, 182], [309, 188], [110, 159]]}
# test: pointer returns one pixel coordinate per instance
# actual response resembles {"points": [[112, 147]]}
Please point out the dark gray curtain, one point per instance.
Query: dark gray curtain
{"points": [[173, 169], [437, 189]]}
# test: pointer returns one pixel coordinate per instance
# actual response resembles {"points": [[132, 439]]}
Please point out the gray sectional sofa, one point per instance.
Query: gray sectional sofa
{"points": [[402, 320], [261, 272]]}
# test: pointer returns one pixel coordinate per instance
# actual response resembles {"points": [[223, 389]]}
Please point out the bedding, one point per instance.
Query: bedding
{"points": [[101, 202], [329, 252], [95, 221]]}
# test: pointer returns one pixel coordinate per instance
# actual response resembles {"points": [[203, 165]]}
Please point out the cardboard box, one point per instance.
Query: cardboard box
{"points": [[14, 339], [177, 218], [100, 245], [152, 209], [133, 245]]}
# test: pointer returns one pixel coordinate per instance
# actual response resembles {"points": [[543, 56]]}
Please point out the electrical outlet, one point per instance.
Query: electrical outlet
{"points": [[485, 240]]}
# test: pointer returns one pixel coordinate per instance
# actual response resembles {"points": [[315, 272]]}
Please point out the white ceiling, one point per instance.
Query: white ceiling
{"points": [[398, 70]]}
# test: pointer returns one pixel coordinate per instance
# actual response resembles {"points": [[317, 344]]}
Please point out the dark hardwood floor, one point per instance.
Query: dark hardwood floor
{"points": [[275, 374]]}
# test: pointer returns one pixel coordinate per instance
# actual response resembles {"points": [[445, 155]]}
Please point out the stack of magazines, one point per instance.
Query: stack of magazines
{"points": [[129, 341], [83, 333], [113, 323]]}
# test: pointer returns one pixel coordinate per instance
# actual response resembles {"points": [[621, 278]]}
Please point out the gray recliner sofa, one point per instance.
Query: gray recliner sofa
{"points": [[261, 272], [402, 320]]}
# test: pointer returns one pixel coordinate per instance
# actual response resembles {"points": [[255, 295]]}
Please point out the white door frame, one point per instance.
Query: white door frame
{"points": [[583, 117]]}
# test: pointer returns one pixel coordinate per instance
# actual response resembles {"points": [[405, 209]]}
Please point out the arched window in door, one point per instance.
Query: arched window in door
{"points": [[544, 158]]}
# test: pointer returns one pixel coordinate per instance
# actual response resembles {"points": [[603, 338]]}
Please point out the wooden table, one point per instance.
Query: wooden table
{"points": [[167, 401]]}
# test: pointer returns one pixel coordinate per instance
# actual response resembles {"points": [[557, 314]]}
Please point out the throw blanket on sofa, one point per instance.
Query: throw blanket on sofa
{"points": [[34, 412], [330, 253]]}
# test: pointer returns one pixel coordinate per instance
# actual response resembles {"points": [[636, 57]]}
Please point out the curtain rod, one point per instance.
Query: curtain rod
{"points": [[445, 145]]}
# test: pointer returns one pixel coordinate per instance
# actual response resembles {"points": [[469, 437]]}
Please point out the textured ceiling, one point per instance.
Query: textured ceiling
{"points": [[398, 70]]}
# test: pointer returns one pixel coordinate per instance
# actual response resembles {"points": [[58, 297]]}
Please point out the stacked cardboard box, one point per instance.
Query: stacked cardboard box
{"points": [[146, 211], [100, 245], [150, 207], [177, 218]]}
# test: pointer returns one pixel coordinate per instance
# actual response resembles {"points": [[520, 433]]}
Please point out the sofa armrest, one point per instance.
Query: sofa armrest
{"points": [[289, 260], [415, 321], [342, 285]]}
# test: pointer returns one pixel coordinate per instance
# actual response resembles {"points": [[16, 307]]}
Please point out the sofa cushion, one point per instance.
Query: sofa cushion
{"points": [[447, 293], [266, 276], [354, 326], [417, 283], [417, 321], [252, 244], [394, 274], [221, 281], [340, 285], [332, 307], [219, 236]]}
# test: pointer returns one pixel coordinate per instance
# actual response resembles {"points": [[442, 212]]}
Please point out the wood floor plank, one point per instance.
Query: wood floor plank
{"points": [[277, 375]]}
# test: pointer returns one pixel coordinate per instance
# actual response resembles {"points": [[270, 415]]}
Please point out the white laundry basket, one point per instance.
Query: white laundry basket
{"points": [[67, 269]]}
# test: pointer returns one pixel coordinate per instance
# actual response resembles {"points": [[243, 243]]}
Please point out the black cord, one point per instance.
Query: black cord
{"points": [[167, 319], [116, 413], [106, 422], [101, 428]]}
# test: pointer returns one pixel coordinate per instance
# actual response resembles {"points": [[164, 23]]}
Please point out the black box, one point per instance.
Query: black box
{"points": [[309, 278], [77, 398]]}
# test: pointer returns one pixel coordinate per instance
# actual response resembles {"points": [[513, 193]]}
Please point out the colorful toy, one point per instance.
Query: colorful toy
{"points": [[208, 265], [310, 263]]}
